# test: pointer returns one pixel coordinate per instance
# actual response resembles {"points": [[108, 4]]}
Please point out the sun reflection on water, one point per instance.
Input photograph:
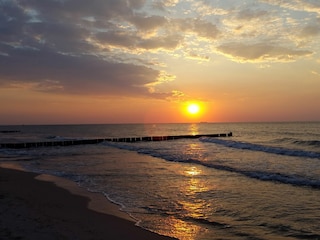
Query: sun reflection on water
{"points": [[194, 129], [193, 208], [181, 229], [192, 171], [195, 151]]}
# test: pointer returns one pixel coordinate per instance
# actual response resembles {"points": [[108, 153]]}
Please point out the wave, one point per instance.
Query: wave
{"points": [[293, 179], [315, 143], [178, 213], [262, 148], [294, 141], [60, 138]]}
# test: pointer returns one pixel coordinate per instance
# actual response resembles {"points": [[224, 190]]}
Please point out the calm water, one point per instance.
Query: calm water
{"points": [[262, 183]]}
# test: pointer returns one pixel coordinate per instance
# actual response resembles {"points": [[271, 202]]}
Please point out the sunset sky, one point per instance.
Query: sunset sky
{"points": [[139, 61]]}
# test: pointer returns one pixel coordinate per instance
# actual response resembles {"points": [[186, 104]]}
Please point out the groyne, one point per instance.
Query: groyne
{"points": [[99, 140]]}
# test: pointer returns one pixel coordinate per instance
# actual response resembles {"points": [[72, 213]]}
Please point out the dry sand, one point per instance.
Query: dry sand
{"points": [[34, 206]]}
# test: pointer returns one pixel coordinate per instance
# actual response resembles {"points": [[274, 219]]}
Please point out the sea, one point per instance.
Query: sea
{"points": [[263, 182]]}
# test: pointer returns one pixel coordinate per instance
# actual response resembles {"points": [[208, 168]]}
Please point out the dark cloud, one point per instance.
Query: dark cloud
{"points": [[75, 74], [117, 38], [311, 30], [57, 44], [75, 9], [11, 21], [46, 43], [158, 5], [148, 23], [167, 42], [260, 52], [205, 29], [125, 40], [162, 5], [197, 26], [250, 14]]}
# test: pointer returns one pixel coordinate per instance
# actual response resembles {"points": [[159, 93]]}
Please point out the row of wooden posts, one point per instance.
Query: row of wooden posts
{"points": [[99, 140]]}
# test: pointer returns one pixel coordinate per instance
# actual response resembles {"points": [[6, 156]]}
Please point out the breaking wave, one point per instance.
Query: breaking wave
{"points": [[292, 179], [264, 148]]}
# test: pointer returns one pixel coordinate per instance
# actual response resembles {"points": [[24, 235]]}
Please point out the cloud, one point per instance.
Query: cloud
{"points": [[249, 14], [205, 29], [132, 41], [205, 8], [167, 42], [162, 5], [246, 23], [147, 23], [75, 74], [311, 30], [119, 46], [196, 26], [296, 5], [197, 56], [53, 46], [260, 52], [265, 34]]}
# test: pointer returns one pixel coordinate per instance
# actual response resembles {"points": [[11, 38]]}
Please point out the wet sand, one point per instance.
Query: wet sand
{"points": [[38, 206]]}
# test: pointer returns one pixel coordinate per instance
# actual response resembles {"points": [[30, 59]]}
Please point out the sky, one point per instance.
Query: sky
{"points": [[144, 61]]}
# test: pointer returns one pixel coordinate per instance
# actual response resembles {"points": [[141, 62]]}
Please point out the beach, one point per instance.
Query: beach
{"points": [[39, 206], [261, 183]]}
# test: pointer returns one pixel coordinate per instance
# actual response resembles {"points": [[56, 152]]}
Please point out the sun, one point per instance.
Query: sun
{"points": [[193, 108]]}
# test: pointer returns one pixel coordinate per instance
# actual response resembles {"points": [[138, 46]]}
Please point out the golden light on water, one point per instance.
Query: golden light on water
{"points": [[194, 129], [194, 185], [192, 171], [182, 229], [191, 207]]}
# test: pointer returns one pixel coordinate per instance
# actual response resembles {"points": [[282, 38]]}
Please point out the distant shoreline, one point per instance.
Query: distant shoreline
{"points": [[150, 123]]}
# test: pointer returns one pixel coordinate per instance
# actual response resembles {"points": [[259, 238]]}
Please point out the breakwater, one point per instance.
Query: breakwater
{"points": [[99, 140]]}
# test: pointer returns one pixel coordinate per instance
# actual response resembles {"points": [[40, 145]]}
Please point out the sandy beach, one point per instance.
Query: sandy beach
{"points": [[38, 206]]}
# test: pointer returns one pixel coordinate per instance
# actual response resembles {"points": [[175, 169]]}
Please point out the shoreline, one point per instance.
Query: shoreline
{"points": [[41, 206]]}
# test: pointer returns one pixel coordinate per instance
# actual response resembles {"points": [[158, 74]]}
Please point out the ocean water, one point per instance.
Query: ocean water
{"points": [[261, 183]]}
